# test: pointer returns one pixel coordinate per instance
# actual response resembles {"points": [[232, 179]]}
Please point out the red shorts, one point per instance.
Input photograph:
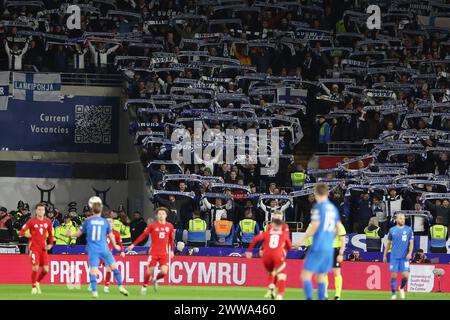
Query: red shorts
{"points": [[276, 264], [39, 258], [163, 260]]}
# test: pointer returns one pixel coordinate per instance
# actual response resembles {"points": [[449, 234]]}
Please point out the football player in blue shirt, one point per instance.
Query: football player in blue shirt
{"points": [[320, 256], [401, 238], [97, 229]]}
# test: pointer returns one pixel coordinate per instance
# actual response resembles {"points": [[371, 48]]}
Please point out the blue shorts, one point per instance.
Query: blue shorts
{"points": [[399, 265], [319, 261], [94, 258]]}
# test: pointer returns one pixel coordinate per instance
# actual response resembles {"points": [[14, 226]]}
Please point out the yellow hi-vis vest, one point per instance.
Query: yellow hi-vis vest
{"points": [[247, 225], [438, 235], [337, 239], [372, 234], [118, 226], [61, 237], [197, 224], [298, 179], [308, 241], [125, 233]]}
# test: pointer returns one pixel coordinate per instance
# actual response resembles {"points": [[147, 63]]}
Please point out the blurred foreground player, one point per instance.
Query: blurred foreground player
{"points": [[276, 243], [319, 258], [162, 236], [109, 272], [97, 229], [39, 228]]}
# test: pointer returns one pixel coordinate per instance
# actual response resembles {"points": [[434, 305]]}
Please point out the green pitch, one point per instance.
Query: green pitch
{"points": [[61, 292]]}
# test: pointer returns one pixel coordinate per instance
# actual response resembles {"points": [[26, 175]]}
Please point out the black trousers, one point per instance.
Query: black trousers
{"points": [[438, 249]]}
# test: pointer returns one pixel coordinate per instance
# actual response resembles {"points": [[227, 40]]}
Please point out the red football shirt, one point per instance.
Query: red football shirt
{"points": [[275, 242], [118, 241], [161, 235], [38, 230]]}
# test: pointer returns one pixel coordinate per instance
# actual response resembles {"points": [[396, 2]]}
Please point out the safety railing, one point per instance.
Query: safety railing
{"points": [[346, 148]]}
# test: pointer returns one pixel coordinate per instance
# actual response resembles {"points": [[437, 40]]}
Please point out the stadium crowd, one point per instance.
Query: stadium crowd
{"points": [[300, 66]]}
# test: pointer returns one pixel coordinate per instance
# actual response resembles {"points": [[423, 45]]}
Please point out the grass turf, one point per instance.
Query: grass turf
{"points": [[61, 292]]}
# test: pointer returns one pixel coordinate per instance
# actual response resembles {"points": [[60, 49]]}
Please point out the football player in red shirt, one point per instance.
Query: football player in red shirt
{"points": [[276, 242], [162, 235], [118, 239], [39, 227]]}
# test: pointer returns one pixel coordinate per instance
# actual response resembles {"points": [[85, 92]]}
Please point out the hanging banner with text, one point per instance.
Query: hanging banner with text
{"points": [[78, 124], [199, 271]]}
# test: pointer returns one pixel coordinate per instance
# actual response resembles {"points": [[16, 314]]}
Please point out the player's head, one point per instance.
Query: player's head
{"points": [[277, 215], [161, 214], [96, 204], [321, 192], [276, 223], [400, 219], [40, 210]]}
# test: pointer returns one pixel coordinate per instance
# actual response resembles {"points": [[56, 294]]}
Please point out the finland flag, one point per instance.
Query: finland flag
{"points": [[289, 95], [37, 86]]}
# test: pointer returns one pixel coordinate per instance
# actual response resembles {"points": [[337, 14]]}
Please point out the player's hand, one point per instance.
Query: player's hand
{"points": [[122, 254], [172, 254], [248, 255], [49, 247], [384, 259], [409, 256], [117, 247], [130, 247], [340, 258]]}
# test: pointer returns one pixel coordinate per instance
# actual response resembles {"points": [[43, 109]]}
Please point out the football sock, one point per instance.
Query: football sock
{"points": [[326, 282], [321, 290], [93, 280], [108, 278], [159, 276], [146, 279], [404, 281], [271, 278], [281, 286], [118, 277], [308, 289], [393, 284], [338, 285], [33, 278], [41, 275]]}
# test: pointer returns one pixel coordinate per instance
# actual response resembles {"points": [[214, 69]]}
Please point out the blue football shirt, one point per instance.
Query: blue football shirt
{"points": [[96, 229], [328, 215], [400, 237]]}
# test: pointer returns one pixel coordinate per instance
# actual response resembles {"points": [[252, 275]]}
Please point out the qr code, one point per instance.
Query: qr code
{"points": [[93, 124]]}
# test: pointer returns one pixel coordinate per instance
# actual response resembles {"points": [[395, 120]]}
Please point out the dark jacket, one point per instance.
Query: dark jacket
{"points": [[137, 227]]}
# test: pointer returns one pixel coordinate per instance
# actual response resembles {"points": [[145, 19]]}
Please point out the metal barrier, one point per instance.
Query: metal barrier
{"points": [[346, 148], [92, 79]]}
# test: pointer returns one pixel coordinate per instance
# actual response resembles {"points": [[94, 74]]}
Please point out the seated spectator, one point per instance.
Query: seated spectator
{"points": [[374, 234], [355, 256], [137, 227], [196, 230], [420, 257], [380, 211], [222, 232], [363, 213], [438, 237], [6, 226], [247, 229], [439, 209]]}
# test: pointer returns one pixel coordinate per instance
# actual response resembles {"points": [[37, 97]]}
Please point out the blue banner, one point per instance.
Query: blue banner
{"points": [[78, 124]]}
